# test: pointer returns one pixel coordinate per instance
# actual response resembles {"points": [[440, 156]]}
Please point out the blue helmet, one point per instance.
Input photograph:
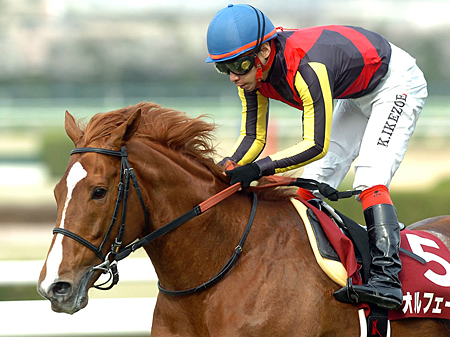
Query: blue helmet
{"points": [[235, 30]]}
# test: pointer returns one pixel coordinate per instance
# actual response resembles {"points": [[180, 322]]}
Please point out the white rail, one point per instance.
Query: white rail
{"points": [[27, 272], [101, 317]]}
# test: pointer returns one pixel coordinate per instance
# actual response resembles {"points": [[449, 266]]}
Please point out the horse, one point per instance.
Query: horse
{"points": [[275, 288]]}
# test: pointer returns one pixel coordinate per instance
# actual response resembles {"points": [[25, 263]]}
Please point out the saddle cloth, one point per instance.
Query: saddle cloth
{"points": [[426, 287]]}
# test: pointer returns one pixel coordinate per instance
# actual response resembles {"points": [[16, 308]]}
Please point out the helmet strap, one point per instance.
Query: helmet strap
{"points": [[261, 68], [259, 72]]}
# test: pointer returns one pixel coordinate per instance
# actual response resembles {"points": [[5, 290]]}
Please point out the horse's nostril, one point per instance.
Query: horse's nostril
{"points": [[60, 290]]}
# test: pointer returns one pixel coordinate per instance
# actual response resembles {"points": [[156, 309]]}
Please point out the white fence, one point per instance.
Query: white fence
{"points": [[102, 317], [27, 272]]}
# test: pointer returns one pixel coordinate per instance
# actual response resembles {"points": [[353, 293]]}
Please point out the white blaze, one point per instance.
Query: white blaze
{"points": [[54, 259]]}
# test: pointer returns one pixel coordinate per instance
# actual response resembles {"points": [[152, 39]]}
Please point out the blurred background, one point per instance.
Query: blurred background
{"points": [[89, 56]]}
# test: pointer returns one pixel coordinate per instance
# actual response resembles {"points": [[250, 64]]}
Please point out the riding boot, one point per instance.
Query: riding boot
{"points": [[383, 287]]}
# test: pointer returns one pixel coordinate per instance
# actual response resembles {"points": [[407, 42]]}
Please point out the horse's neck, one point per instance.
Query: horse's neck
{"points": [[196, 250]]}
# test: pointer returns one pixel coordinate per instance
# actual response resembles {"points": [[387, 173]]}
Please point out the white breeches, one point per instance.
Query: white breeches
{"points": [[376, 128]]}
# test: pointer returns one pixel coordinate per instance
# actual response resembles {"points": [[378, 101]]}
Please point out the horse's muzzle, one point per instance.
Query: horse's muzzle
{"points": [[66, 297]]}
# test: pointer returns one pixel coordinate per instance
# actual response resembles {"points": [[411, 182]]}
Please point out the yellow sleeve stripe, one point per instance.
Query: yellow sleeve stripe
{"points": [[321, 71], [243, 119], [252, 127], [310, 134]]}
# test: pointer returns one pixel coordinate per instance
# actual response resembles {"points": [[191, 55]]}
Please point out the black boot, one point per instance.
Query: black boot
{"points": [[383, 287]]}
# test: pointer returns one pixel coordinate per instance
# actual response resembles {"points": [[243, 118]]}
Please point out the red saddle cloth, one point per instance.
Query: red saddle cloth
{"points": [[426, 287]]}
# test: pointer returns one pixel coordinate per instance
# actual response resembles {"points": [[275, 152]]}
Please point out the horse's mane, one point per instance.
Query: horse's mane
{"points": [[170, 128]]}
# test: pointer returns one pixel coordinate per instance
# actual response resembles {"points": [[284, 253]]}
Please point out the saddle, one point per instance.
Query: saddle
{"points": [[351, 229], [425, 274], [325, 253], [341, 249]]}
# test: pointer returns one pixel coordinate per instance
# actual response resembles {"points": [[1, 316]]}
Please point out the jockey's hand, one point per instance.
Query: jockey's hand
{"points": [[244, 174]]}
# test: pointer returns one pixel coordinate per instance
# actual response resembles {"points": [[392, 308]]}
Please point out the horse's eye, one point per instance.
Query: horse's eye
{"points": [[99, 193]]}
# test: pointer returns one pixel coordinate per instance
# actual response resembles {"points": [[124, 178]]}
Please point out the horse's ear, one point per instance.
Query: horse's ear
{"points": [[72, 128], [124, 132]]}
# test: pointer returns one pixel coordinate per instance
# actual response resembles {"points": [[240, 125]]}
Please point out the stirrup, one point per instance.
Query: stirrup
{"points": [[347, 294]]}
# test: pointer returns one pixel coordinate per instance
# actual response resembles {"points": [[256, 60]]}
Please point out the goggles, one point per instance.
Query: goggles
{"points": [[240, 66]]}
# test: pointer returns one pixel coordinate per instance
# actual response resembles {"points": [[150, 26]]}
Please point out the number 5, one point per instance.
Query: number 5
{"points": [[416, 242]]}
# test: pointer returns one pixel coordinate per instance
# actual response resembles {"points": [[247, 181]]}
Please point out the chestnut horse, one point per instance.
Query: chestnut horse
{"points": [[275, 289]]}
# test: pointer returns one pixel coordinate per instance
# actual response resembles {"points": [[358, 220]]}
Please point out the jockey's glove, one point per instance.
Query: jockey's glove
{"points": [[244, 174]]}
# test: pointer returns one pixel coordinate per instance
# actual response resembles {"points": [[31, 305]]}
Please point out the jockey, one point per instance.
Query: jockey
{"points": [[379, 93]]}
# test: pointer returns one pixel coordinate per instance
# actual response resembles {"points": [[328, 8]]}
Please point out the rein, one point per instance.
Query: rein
{"points": [[118, 253]]}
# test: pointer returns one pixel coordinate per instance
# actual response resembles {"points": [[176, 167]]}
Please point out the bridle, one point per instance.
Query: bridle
{"points": [[117, 253], [126, 173], [109, 262]]}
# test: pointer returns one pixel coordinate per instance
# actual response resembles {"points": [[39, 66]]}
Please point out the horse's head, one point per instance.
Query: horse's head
{"points": [[170, 154], [86, 197]]}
